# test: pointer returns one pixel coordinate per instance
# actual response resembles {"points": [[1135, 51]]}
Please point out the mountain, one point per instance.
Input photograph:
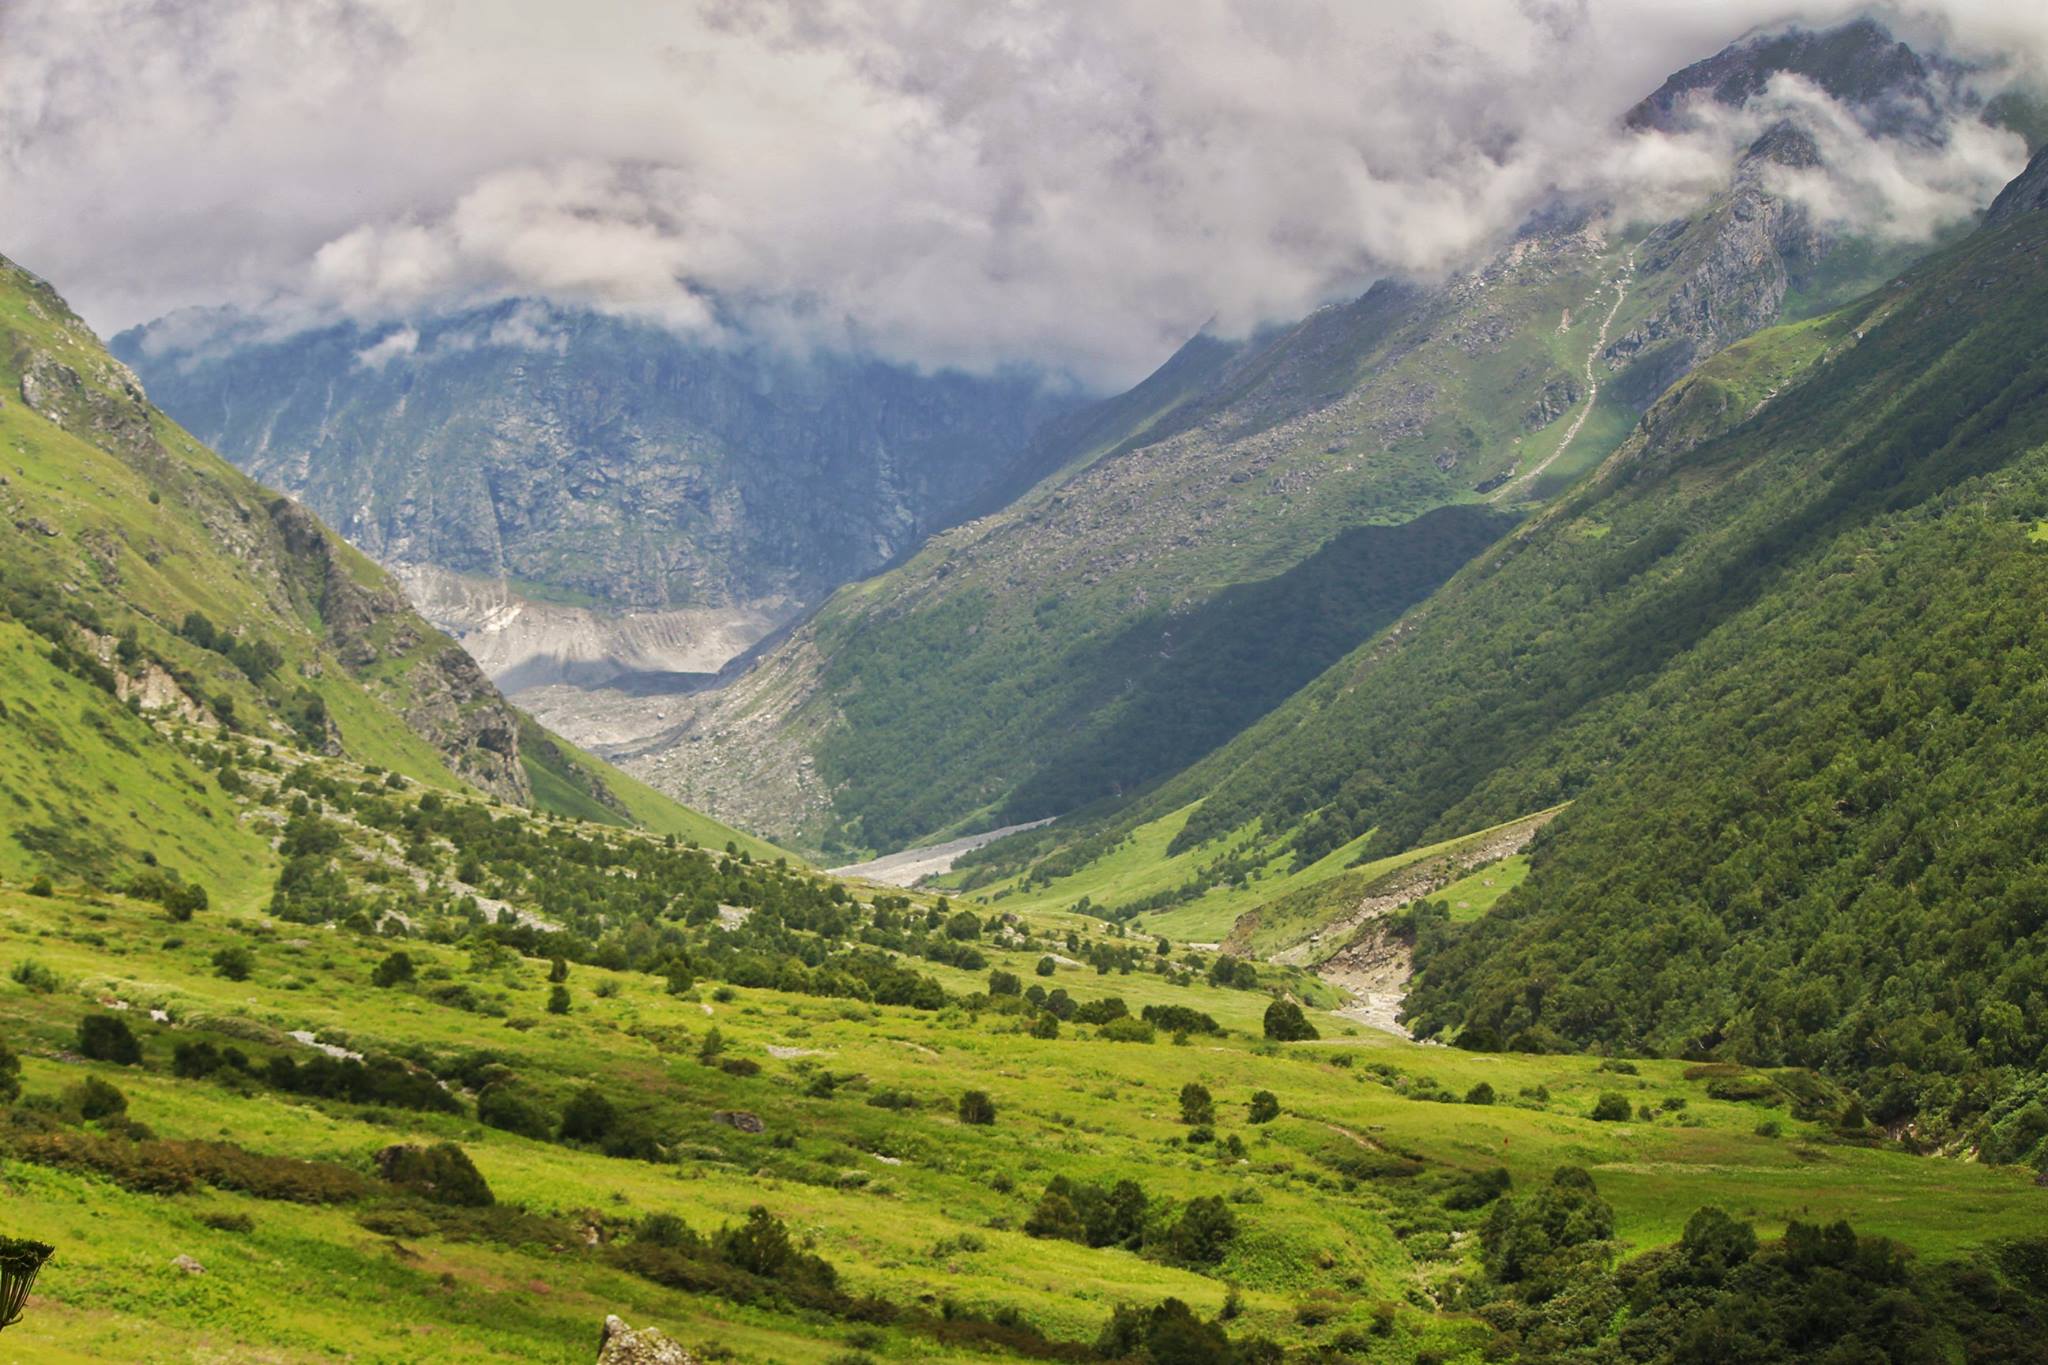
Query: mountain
{"points": [[1782, 656], [157, 605], [1032, 661], [578, 496]]}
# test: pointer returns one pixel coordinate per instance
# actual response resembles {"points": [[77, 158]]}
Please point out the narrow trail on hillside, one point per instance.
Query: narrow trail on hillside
{"points": [[1621, 281]]}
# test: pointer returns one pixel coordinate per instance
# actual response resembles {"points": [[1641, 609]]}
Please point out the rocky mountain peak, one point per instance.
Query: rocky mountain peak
{"points": [[1859, 63], [2027, 193]]}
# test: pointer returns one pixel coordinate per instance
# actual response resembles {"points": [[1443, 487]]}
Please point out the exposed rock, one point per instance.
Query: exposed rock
{"points": [[620, 465], [445, 697], [188, 1265], [621, 1345], [741, 1120], [2027, 194]]}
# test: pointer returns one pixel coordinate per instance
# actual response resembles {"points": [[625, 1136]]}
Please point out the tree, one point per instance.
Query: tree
{"points": [[558, 970], [1611, 1108], [1196, 1104], [963, 926], [107, 1038], [1265, 1107], [393, 971], [234, 963], [558, 1000], [977, 1108], [1204, 1232], [93, 1098], [588, 1117], [1285, 1023]]}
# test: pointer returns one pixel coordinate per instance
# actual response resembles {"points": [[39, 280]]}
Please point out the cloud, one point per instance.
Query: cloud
{"points": [[1076, 184], [400, 341]]}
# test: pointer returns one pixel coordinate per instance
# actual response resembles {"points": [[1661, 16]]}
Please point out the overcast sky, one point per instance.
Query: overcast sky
{"points": [[1076, 184]]}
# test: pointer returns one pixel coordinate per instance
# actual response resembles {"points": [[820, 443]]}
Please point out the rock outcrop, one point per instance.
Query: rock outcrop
{"points": [[622, 1345]]}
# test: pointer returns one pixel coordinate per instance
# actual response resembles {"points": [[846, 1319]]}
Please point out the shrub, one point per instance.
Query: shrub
{"points": [[41, 887], [1045, 1026], [558, 970], [35, 976], [107, 1038], [1611, 1108], [977, 1108], [502, 1105], [234, 963], [1102, 1011], [1196, 1105], [395, 970], [1203, 1233], [1179, 1019], [667, 1230], [442, 1173], [1265, 1107], [1285, 1023], [1477, 1189], [1046, 966], [1481, 1093], [1126, 1030], [10, 1073], [558, 1000], [93, 1098], [740, 1066], [1004, 983], [222, 1221], [588, 1117]]}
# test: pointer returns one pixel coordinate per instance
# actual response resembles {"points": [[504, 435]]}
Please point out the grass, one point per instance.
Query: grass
{"points": [[906, 1203], [1472, 896]]}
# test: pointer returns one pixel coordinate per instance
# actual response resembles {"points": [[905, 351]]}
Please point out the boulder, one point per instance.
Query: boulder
{"points": [[740, 1119], [621, 1345], [188, 1265]]}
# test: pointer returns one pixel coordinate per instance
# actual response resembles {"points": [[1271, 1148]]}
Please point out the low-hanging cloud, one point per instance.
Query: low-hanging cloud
{"points": [[1051, 182]]}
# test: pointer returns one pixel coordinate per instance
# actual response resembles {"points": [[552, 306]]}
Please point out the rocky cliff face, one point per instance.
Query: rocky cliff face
{"points": [[443, 696], [570, 460]]}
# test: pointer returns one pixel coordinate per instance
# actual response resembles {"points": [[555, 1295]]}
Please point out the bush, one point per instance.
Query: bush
{"points": [[107, 1038], [93, 1098], [1203, 1233], [1004, 983], [1126, 1030], [1265, 1107], [977, 1108], [1481, 1093], [234, 964], [1611, 1108], [558, 1000], [395, 970], [1045, 1026], [35, 976], [222, 1221], [1196, 1104], [588, 1117], [502, 1105], [442, 1173], [1179, 1019], [41, 887], [10, 1073], [1285, 1023], [1046, 966]]}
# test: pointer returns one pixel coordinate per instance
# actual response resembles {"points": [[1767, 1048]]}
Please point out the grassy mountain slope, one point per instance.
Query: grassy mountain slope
{"points": [[991, 680], [145, 586], [1782, 657]]}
